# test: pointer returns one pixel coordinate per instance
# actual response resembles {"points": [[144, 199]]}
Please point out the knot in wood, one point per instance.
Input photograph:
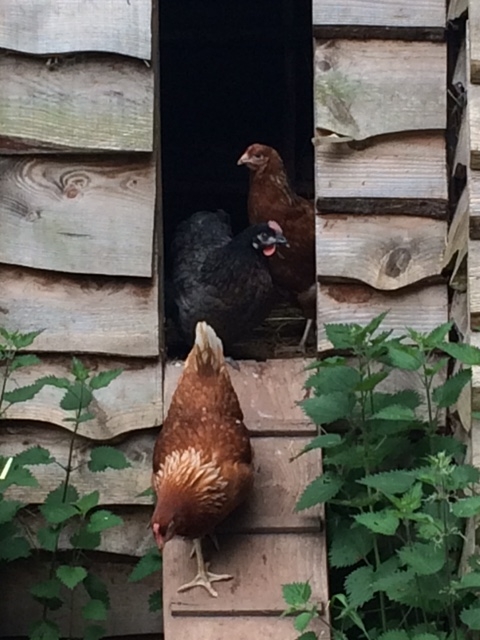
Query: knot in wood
{"points": [[397, 262]]}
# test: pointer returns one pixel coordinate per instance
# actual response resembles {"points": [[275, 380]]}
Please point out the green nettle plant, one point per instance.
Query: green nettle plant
{"points": [[398, 495]]}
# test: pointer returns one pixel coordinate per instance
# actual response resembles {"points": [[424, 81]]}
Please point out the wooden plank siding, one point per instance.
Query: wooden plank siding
{"points": [[80, 259], [63, 26], [91, 216], [90, 103]]}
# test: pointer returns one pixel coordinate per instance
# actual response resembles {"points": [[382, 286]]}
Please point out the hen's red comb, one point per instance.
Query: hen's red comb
{"points": [[275, 226]]}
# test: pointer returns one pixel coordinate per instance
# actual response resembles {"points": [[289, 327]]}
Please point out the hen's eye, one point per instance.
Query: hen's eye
{"points": [[257, 155], [264, 236]]}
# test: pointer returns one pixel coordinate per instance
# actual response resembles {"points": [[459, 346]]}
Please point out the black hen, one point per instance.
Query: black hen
{"points": [[219, 279]]}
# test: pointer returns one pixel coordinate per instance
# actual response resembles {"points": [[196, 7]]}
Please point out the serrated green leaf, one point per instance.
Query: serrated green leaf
{"points": [[466, 507], [334, 379], [370, 382], [329, 408], [155, 601], [389, 482], [296, 594], [97, 589], [374, 324], [395, 584], [47, 538], [147, 493], [54, 381], [423, 558], [71, 576], [394, 634], [44, 630], [471, 618], [79, 370], [27, 360], [470, 580], [102, 458], [324, 441], [34, 456], [465, 353], [406, 398], [61, 495], [349, 546], [47, 589], [58, 513], [84, 539], [464, 475], [395, 412], [88, 502], [405, 357], [436, 337], [22, 394], [104, 378], [95, 610], [447, 394], [19, 476], [320, 490], [146, 566], [308, 635], [94, 632], [8, 509], [359, 586], [77, 397], [302, 621], [14, 549], [342, 336], [102, 520], [384, 522], [429, 636]]}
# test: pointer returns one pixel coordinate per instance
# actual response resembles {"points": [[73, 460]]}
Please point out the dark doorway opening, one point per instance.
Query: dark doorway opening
{"points": [[232, 74]]}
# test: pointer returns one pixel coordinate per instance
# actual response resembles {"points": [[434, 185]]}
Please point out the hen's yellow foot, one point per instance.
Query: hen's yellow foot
{"points": [[204, 579]]}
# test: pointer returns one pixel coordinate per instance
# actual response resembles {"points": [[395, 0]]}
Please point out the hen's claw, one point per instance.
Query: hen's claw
{"points": [[204, 579]]}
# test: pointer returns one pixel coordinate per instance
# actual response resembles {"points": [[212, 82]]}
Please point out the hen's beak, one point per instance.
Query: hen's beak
{"points": [[278, 239], [158, 537], [243, 159]]}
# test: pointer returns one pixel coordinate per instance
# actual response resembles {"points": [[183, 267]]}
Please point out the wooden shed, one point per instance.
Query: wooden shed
{"points": [[118, 118]]}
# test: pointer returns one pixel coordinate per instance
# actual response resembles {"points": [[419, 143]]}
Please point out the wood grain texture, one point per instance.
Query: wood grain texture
{"points": [[421, 309], [355, 80], [81, 314], [457, 241], [474, 39], [397, 168], [257, 562], [461, 158], [474, 338], [459, 313], [474, 283], [133, 401], [388, 252], [473, 186], [88, 216], [278, 483], [456, 8], [50, 26], [473, 109], [90, 104], [129, 612], [380, 13], [268, 393]]}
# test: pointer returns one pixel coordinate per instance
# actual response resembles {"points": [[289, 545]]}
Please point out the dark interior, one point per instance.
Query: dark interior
{"points": [[232, 74]]}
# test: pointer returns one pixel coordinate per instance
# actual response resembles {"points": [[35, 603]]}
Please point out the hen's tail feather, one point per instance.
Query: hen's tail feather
{"points": [[207, 350]]}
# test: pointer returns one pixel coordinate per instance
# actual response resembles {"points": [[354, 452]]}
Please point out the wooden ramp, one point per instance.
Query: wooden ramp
{"points": [[265, 544]]}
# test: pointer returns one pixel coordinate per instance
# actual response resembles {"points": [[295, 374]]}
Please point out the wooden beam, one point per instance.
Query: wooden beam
{"points": [[81, 314], [422, 309], [389, 252], [90, 104], [473, 186], [457, 241], [75, 215], [355, 80], [380, 13], [401, 174], [133, 401], [474, 40]]}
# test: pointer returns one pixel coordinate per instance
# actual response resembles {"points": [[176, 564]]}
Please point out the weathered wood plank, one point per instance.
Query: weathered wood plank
{"points": [[91, 104], [473, 109], [421, 309], [456, 8], [355, 80], [379, 13], [474, 283], [98, 315], [260, 565], [474, 338], [129, 613], [268, 393], [133, 401], [389, 252], [278, 483], [474, 40], [461, 159], [76, 216], [463, 406], [41, 26], [221, 627], [392, 169], [457, 241], [473, 186], [459, 313]]}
